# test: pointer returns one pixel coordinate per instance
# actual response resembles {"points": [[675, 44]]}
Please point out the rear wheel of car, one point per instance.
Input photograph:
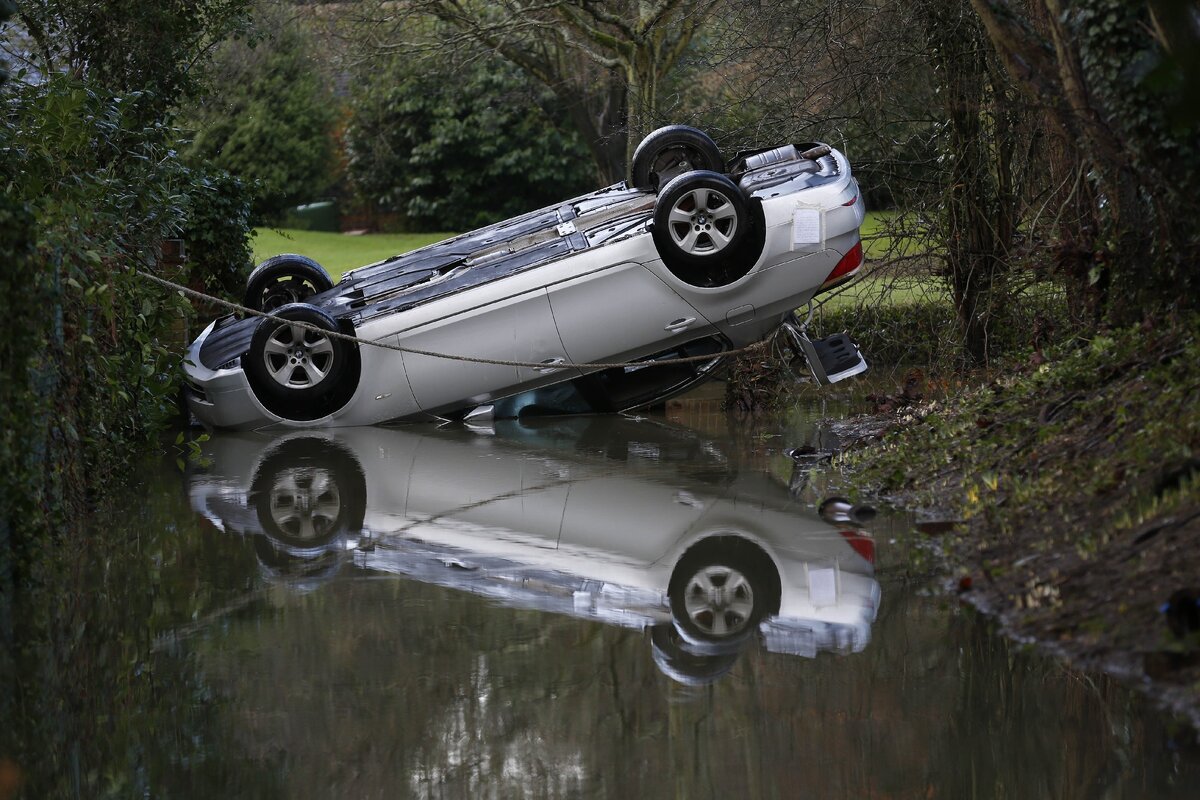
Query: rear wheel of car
{"points": [[671, 151], [722, 589], [296, 368], [700, 219], [285, 279]]}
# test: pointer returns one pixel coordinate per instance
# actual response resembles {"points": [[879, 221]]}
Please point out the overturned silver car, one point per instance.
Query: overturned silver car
{"points": [[693, 260]]}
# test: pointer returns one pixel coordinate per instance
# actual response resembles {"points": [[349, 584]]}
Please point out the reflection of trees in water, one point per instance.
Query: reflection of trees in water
{"points": [[1073, 733], [89, 706], [939, 706], [400, 684], [382, 687]]}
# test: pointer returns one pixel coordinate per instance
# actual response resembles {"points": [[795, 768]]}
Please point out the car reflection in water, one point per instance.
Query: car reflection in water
{"points": [[629, 522]]}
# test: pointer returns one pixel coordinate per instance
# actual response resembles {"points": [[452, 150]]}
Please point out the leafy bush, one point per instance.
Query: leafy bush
{"points": [[85, 365], [217, 232], [147, 52], [269, 119], [457, 148]]}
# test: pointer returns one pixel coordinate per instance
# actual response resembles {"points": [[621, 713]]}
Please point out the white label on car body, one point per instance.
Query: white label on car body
{"points": [[822, 586], [806, 226]]}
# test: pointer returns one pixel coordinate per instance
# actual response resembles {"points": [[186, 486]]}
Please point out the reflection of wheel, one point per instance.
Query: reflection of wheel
{"points": [[699, 220], [670, 151], [298, 372], [308, 493], [304, 503], [677, 661], [285, 279], [721, 589]]}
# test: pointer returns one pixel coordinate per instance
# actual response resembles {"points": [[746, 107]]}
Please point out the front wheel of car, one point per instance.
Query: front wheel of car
{"points": [[285, 279], [670, 151], [297, 366]]}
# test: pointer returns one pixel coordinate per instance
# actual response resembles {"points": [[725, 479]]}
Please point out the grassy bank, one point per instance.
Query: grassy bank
{"points": [[1073, 491]]}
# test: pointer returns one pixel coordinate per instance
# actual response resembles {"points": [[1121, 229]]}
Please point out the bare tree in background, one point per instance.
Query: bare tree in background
{"points": [[605, 60], [1113, 78]]}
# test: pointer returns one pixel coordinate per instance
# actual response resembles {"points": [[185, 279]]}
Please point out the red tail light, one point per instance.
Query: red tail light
{"points": [[861, 543], [851, 201], [846, 267]]}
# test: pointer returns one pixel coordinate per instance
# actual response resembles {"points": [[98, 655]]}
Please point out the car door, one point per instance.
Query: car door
{"points": [[515, 328], [476, 494], [619, 312], [632, 520]]}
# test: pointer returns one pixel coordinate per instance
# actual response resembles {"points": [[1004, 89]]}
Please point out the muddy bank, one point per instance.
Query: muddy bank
{"points": [[1064, 497]]}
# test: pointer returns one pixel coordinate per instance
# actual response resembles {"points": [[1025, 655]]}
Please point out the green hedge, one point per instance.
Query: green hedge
{"points": [[88, 361]]}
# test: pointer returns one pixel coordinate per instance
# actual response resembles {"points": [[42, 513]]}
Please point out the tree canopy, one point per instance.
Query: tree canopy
{"points": [[270, 115]]}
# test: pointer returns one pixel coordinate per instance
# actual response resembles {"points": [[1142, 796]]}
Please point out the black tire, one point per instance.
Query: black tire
{"points": [[700, 219], [298, 373], [721, 590], [308, 493], [671, 151], [285, 279]]}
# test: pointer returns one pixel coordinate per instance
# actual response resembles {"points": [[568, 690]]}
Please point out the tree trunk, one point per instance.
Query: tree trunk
{"points": [[979, 205]]}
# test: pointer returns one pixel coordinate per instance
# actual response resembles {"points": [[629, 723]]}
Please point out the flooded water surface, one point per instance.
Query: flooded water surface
{"points": [[584, 607]]}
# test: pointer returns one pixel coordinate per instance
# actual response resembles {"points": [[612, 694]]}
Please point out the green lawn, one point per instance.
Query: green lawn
{"points": [[338, 252], [890, 290], [876, 242]]}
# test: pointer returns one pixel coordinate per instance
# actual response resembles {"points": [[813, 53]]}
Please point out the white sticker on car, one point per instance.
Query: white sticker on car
{"points": [[806, 226], [822, 586]]}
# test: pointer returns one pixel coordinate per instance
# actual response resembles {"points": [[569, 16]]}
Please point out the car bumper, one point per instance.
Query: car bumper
{"points": [[220, 398]]}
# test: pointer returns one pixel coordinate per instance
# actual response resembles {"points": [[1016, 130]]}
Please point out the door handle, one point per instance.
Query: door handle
{"points": [[675, 326], [551, 364]]}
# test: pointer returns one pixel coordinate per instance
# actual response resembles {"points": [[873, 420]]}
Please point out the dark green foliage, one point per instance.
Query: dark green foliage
{"points": [[1153, 217], [453, 150], [101, 197], [216, 232], [88, 365], [269, 120], [131, 45], [88, 371]]}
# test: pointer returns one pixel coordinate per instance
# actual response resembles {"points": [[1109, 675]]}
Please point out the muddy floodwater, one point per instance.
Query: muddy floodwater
{"points": [[586, 607]]}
